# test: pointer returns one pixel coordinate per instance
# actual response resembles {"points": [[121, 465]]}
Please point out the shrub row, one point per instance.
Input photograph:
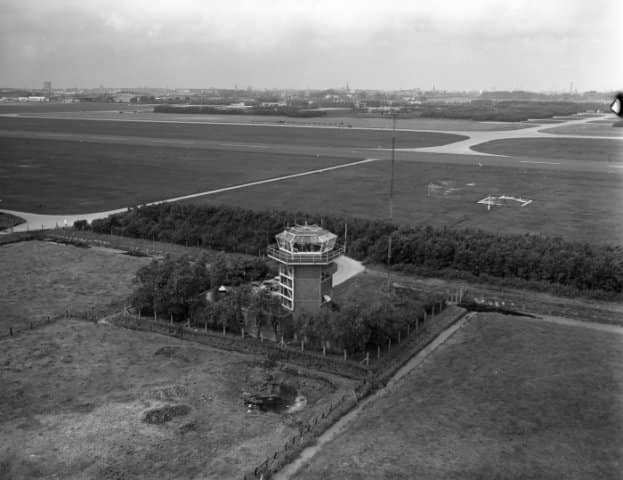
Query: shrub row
{"points": [[530, 258]]}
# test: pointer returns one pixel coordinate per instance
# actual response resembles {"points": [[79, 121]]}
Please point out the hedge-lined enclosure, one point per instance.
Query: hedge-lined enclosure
{"points": [[533, 258], [175, 289]]}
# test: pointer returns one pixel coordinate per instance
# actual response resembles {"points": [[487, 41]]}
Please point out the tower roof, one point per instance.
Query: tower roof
{"points": [[302, 234]]}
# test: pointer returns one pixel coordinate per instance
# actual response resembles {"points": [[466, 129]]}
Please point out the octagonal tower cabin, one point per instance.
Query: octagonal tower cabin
{"points": [[306, 255]]}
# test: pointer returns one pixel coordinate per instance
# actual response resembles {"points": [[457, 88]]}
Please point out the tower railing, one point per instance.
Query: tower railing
{"points": [[307, 258]]}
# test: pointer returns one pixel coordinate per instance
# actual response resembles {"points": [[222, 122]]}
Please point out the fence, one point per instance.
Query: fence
{"points": [[321, 422], [329, 363], [88, 314]]}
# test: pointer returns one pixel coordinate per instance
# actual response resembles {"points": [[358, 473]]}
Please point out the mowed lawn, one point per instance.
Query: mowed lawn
{"points": [[598, 127], [503, 398], [576, 205], [50, 176], [145, 113], [74, 395], [580, 149], [254, 134], [41, 279]]}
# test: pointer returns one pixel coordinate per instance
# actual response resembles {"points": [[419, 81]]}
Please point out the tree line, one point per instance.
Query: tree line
{"points": [[187, 290], [506, 110], [523, 258]]}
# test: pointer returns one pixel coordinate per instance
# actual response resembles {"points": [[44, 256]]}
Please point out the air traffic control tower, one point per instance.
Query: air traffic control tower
{"points": [[305, 254]]}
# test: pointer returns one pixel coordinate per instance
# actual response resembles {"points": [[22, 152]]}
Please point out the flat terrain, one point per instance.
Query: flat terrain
{"points": [[74, 396], [50, 176], [437, 190], [45, 108], [598, 127], [79, 165], [237, 134], [596, 150], [503, 398], [143, 113], [41, 279]]}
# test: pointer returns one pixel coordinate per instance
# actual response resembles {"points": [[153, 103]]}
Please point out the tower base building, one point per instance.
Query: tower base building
{"points": [[306, 255]]}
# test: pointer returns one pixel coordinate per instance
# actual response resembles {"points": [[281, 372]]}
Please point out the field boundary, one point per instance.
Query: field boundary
{"points": [[309, 434], [370, 379]]}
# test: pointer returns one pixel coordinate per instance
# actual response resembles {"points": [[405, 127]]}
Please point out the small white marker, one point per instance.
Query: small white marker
{"points": [[616, 105]]}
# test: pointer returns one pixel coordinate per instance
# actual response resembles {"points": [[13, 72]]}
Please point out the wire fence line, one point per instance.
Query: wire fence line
{"points": [[320, 422]]}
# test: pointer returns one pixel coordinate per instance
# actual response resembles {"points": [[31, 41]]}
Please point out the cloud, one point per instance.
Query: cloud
{"points": [[249, 39]]}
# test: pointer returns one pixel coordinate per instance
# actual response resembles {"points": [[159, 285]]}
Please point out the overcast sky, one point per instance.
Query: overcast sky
{"points": [[455, 45]]}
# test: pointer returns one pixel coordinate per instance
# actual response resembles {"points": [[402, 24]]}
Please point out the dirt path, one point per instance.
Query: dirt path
{"points": [[346, 268], [35, 221], [307, 454]]}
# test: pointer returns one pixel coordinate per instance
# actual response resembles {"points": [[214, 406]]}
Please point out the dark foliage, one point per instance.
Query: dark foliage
{"points": [[210, 109], [531, 258], [506, 110]]}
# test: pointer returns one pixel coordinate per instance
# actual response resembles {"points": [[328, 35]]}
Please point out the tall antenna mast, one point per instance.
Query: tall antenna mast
{"points": [[391, 203]]}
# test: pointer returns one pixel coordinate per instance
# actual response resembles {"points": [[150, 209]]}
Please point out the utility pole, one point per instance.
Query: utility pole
{"points": [[391, 203]]}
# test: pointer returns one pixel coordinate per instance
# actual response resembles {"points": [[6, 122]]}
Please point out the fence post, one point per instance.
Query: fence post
{"points": [[261, 336], [283, 344], [378, 352], [345, 355], [367, 358], [302, 346], [224, 333], [242, 331], [324, 350]]}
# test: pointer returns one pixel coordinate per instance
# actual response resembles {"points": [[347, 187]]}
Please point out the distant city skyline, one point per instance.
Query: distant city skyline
{"points": [[547, 45]]}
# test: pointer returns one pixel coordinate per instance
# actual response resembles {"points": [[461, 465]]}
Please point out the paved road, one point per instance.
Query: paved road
{"points": [[464, 147], [346, 268], [459, 152], [35, 221]]}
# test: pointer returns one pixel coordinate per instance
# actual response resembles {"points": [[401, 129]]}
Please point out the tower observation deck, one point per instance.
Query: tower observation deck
{"points": [[305, 254]]}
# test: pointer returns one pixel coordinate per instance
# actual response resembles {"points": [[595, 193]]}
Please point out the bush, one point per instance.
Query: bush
{"points": [[81, 225]]}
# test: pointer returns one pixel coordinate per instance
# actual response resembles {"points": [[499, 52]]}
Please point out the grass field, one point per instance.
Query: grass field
{"points": [[574, 204], [503, 398], [592, 128], [256, 134], [49, 176], [41, 279], [582, 149], [126, 112], [101, 165], [74, 396], [37, 108]]}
